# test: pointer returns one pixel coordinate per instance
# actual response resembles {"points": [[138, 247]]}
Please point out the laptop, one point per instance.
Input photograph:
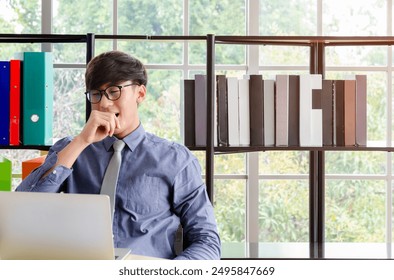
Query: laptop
{"points": [[56, 226]]}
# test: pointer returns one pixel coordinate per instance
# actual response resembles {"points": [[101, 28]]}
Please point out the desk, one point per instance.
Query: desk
{"points": [[140, 257]]}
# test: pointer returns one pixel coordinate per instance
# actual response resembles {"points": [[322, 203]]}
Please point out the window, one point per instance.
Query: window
{"points": [[261, 199]]}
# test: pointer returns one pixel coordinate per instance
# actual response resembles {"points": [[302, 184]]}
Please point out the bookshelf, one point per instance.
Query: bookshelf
{"points": [[87, 39], [317, 45]]}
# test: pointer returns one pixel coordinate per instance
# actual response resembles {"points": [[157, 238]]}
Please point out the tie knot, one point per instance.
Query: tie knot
{"points": [[118, 145]]}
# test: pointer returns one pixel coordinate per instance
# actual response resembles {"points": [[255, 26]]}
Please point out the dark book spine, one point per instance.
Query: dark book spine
{"points": [[188, 114], [222, 105], [294, 110], [256, 106]]}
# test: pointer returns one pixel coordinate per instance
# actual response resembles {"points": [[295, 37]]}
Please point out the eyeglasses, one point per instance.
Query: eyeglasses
{"points": [[112, 93]]}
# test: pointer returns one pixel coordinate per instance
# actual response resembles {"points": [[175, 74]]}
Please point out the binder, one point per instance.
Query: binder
{"points": [[4, 103], [15, 101], [5, 174], [37, 98], [29, 165]]}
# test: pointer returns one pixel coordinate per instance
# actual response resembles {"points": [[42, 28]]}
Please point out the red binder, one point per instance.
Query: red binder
{"points": [[15, 101]]}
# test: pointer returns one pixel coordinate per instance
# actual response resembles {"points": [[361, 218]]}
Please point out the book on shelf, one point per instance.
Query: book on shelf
{"points": [[310, 119], [233, 111], [5, 174], [350, 112], [269, 112], [244, 119], [200, 109], [361, 110], [222, 109], [31, 164], [256, 110], [188, 112], [5, 103], [282, 110], [294, 110], [327, 103], [37, 98], [15, 102]]}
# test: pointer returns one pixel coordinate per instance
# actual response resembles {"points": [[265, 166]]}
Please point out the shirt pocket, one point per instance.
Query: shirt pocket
{"points": [[143, 194]]}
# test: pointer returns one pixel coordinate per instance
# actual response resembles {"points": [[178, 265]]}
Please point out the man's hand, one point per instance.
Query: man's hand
{"points": [[99, 126]]}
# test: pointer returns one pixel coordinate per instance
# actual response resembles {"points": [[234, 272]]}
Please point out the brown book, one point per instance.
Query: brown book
{"points": [[188, 113], [339, 114], [256, 107], [222, 105], [200, 109], [361, 110], [350, 112], [327, 108], [294, 110]]}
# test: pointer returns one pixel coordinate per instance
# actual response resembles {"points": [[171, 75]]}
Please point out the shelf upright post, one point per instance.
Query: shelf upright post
{"points": [[209, 156], [316, 173], [90, 39]]}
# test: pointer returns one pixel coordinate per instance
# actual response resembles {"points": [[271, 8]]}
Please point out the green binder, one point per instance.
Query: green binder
{"points": [[37, 98], [5, 174]]}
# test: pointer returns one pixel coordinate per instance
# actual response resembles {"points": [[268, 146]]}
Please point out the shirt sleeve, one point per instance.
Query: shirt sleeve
{"points": [[195, 210], [53, 181]]}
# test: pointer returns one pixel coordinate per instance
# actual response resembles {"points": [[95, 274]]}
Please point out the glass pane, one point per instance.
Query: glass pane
{"points": [[154, 52], [69, 53], [376, 100], [14, 51], [230, 205], [154, 17], [284, 17], [160, 111], [80, 17], [358, 18], [284, 55], [284, 211], [200, 155], [356, 56], [69, 102], [284, 162], [355, 210], [355, 162], [220, 17], [230, 164], [20, 17]]}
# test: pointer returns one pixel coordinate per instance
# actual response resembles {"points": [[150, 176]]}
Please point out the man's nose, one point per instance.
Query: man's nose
{"points": [[105, 102]]}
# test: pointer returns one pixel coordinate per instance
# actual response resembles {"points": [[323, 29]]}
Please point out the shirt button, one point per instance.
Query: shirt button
{"points": [[54, 172]]}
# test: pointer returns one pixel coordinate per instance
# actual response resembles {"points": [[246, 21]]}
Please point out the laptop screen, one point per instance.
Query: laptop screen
{"points": [[55, 226]]}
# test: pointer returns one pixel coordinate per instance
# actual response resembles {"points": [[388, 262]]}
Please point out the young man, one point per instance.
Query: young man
{"points": [[159, 185]]}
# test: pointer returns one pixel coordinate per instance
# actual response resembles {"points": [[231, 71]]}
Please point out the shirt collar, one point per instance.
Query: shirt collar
{"points": [[132, 140]]}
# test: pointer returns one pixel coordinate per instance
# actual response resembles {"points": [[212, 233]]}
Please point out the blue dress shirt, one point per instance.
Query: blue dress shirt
{"points": [[159, 187]]}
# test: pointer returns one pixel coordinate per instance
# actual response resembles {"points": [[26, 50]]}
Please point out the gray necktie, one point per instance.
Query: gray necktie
{"points": [[110, 181]]}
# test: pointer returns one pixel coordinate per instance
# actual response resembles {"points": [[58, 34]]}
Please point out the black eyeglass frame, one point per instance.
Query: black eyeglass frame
{"points": [[104, 92]]}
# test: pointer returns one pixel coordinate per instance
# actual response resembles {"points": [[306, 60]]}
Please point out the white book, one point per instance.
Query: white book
{"points": [[269, 112], [311, 120], [244, 113], [282, 110], [233, 111]]}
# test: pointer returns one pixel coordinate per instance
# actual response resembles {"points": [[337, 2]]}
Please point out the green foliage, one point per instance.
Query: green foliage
{"points": [[283, 211], [355, 211]]}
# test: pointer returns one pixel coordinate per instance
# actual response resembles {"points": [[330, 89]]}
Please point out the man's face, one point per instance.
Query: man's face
{"points": [[125, 108]]}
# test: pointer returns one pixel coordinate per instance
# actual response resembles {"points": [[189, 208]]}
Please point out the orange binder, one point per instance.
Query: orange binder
{"points": [[29, 165], [15, 101]]}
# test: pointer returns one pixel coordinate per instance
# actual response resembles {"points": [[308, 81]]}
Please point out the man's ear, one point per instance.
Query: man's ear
{"points": [[141, 94]]}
